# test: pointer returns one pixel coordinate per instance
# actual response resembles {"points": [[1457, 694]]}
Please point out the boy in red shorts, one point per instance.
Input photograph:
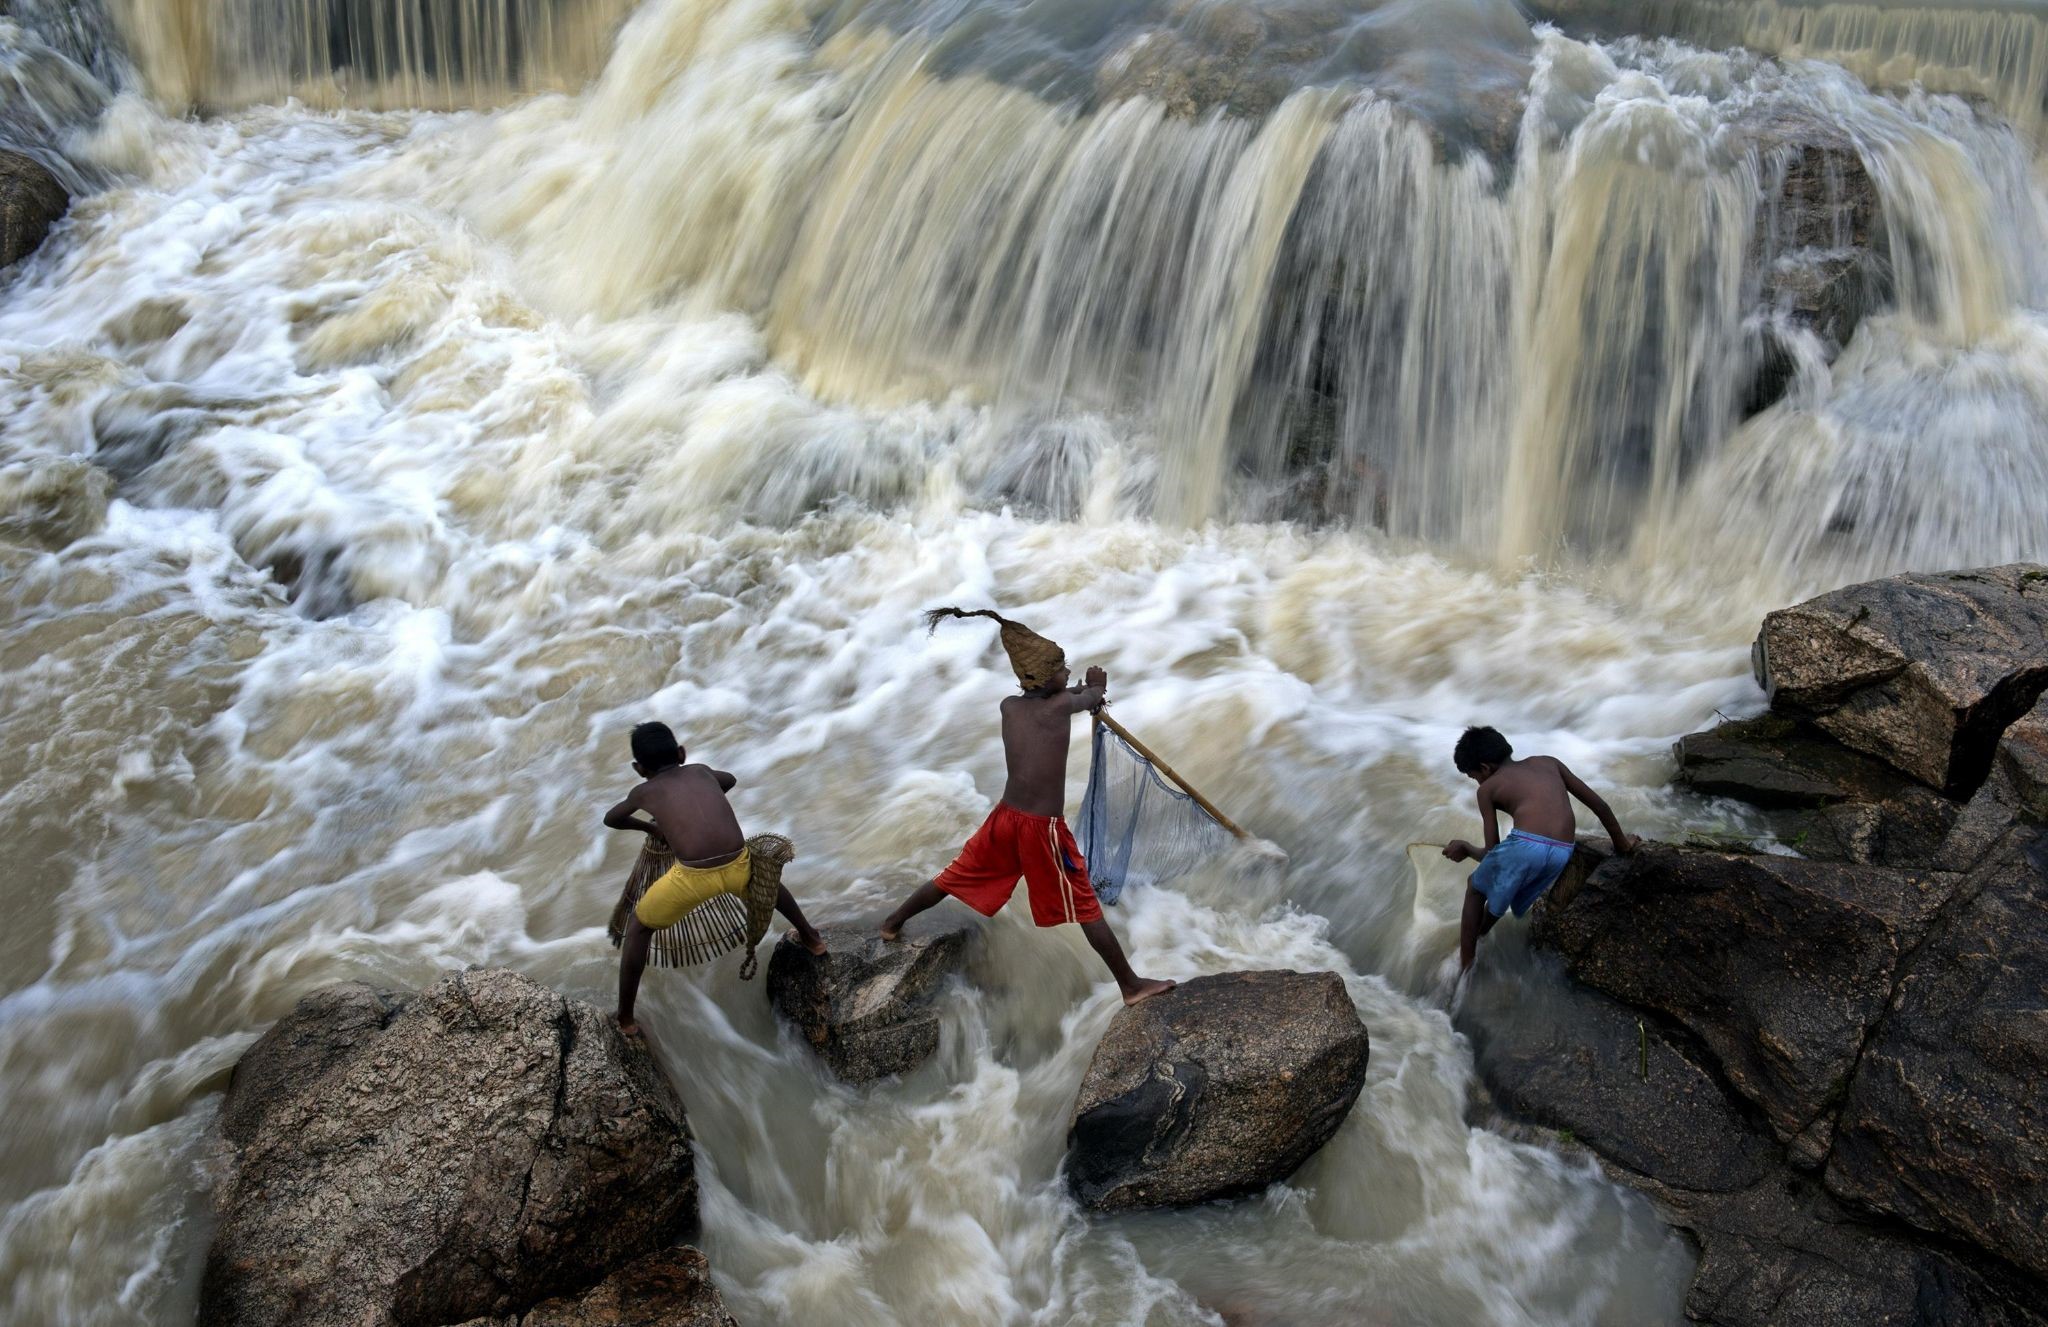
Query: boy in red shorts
{"points": [[1027, 835]]}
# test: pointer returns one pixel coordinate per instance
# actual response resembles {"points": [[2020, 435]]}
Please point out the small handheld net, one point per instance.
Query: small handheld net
{"points": [[1140, 824], [717, 926]]}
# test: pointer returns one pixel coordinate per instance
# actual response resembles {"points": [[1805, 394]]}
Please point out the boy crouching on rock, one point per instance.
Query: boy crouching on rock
{"points": [[1537, 792]]}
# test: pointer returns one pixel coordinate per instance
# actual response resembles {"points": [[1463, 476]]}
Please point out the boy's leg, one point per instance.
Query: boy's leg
{"points": [[805, 934], [1134, 987], [926, 895], [1477, 922], [632, 963]]}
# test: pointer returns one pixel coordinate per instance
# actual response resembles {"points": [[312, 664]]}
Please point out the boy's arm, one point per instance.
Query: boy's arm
{"points": [[1091, 694], [1458, 850], [621, 817], [1624, 843]]}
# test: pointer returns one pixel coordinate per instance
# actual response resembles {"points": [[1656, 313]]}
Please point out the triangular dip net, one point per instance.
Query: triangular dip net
{"points": [[1137, 826]]}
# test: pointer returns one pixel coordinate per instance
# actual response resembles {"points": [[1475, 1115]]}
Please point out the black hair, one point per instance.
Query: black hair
{"points": [[1481, 746], [655, 747]]}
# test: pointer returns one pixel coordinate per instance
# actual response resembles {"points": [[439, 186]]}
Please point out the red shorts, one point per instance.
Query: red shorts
{"points": [[1039, 848]]}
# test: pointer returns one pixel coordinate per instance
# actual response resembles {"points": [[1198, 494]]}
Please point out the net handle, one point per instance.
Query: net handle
{"points": [[1105, 721]]}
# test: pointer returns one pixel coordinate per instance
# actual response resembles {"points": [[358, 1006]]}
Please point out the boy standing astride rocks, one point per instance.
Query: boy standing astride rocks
{"points": [[1027, 835], [1537, 792], [687, 810]]}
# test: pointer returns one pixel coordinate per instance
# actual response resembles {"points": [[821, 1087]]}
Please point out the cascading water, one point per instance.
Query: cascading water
{"points": [[365, 473]]}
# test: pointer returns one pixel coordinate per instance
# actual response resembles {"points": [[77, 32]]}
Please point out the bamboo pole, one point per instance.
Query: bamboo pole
{"points": [[1168, 771]]}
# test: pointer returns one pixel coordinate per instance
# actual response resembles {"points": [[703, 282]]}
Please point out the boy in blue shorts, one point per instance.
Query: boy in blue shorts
{"points": [[1537, 792]]}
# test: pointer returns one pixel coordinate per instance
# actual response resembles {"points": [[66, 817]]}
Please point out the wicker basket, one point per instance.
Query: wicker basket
{"points": [[718, 926]]}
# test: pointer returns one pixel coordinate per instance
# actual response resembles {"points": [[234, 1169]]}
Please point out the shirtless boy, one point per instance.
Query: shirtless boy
{"points": [[1027, 835], [685, 808], [1537, 792]]}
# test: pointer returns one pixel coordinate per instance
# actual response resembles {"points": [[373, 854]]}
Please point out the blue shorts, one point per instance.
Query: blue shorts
{"points": [[1518, 871]]}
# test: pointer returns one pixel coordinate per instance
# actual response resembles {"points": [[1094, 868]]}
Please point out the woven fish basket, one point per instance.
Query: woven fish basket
{"points": [[718, 926]]}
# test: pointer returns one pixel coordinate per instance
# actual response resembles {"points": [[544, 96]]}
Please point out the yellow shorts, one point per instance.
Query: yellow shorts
{"points": [[686, 888]]}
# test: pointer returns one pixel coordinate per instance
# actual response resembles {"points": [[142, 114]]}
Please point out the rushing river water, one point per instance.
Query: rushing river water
{"points": [[386, 433]]}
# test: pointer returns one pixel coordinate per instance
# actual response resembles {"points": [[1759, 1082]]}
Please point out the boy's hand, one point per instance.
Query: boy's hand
{"points": [[1095, 677], [1458, 850], [1626, 845]]}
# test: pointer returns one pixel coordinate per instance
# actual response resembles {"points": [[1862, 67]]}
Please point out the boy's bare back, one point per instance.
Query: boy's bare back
{"points": [[687, 804], [1537, 792], [1037, 732]]}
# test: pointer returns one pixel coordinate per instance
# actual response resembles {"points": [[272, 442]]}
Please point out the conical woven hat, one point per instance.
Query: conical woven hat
{"points": [[1033, 658]]}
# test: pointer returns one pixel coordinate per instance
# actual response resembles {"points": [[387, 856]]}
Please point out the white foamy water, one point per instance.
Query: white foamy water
{"points": [[365, 476]]}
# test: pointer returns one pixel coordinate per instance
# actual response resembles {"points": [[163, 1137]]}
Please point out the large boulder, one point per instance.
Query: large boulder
{"points": [[465, 1152], [31, 201], [1614, 1080], [868, 1005], [1215, 1089], [1945, 1124], [1778, 965], [1775, 1249], [1923, 672], [671, 1288]]}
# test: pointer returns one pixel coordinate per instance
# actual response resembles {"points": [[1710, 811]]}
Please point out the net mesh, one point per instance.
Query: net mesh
{"points": [[1137, 826]]}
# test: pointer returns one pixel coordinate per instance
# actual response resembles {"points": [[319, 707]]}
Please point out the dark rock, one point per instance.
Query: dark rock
{"points": [[1776, 1250], [1836, 804], [2023, 761], [1923, 672], [1782, 1254], [1946, 1120], [1821, 256], [1778, 965], [489, 1146], [867, 1006], [1772, 761], [1215, 1089], [31, 201], [671, 1288], [1619, 1083]]}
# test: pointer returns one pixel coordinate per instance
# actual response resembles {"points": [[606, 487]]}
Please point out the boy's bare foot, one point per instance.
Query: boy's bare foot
{"points": [[815, 942], [628, 1028], [892, 933], [1146, 988]]}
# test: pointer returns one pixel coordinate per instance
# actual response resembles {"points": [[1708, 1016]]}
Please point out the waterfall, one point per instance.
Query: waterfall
{"points": [[412, 53]]}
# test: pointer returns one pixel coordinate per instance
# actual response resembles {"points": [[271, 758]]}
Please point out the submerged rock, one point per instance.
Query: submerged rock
{"points": [[671, 1288], [1923, 672], [465, 1152], [867, 1007], [1215, 1089], [31, 201]]}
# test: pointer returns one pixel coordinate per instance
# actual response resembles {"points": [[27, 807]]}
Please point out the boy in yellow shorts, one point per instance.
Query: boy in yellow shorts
{"points": [[685, 808]]}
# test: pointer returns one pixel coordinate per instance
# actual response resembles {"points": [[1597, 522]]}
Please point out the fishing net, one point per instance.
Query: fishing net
{"points": [[718, 926], [1137, 826]]}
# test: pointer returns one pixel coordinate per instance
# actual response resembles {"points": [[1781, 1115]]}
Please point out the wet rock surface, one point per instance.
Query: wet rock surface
{"points": [[867, 1006], [1829, 1071], [465, 1152], [1780, 966], [671, 1288], [31, 201], [1945, 1124], [1215, 1089], [1923, 672]]}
